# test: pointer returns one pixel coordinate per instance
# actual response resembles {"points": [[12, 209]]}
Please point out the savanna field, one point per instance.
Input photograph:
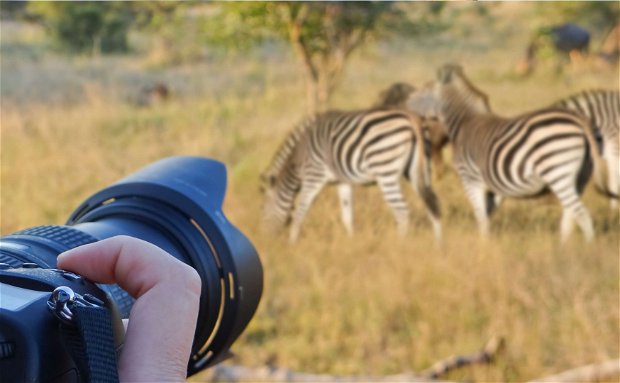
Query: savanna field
{"points": [[371, 304]]}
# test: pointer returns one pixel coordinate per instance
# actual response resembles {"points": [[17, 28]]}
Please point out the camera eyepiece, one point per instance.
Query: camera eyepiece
{"points": [[176, 204]]}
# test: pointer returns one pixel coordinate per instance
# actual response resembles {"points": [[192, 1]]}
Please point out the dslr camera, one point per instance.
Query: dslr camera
{"points": [[57, 326]]}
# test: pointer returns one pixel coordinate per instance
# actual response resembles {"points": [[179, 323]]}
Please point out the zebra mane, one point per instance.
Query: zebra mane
{"points": [[587, 93], [450, 71], [287, 147]]}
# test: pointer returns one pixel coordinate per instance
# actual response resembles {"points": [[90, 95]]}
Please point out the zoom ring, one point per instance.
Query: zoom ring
{"points": [[64, 235]]}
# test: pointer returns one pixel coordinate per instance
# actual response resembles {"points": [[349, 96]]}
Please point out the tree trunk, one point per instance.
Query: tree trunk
{"points": [[312, 100], [323, 69], [310, 71], [323, 92]]}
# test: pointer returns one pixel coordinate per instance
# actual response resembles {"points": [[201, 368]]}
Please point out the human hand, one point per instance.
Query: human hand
{"points": [[163, 319]]}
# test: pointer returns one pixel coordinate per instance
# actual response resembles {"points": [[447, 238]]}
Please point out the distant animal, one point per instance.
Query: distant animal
{"points": [[153, 94], [602, 109], [396, 96], [570, 37], [570, 40], [550, 149], [356, 147]]}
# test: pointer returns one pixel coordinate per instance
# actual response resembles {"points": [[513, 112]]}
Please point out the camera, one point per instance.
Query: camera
{"points": [[176, 204]]}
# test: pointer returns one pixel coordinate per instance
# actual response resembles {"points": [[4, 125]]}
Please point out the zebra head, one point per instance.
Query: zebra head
{"points": [[279, 190], [395, 96], [280, 183], [273, 220], [424, 102]]}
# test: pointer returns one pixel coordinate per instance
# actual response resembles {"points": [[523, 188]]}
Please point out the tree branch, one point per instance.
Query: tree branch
{"points": [[590, 373], [485, 356], [295, 23]]}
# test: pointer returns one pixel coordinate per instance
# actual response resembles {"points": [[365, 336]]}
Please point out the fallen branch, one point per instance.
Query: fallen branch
{"points": [[224, 373], [590, 373], [485, 356]]}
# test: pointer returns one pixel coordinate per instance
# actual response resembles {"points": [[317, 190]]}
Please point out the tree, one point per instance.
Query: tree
{"points": [[323, 35], [172, 30], [90, 26]]}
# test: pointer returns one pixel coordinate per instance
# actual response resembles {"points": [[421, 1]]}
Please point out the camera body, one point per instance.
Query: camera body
{"points": [[31, 344], [175, 204]]}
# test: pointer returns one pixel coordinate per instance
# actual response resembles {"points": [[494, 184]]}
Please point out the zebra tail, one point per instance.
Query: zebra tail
{"points": [[601, 172], [419, 169]]}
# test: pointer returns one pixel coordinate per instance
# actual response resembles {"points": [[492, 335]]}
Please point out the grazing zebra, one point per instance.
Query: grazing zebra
{"points": [[359, 147], [602, 109], [396, 96], [547, 149]]}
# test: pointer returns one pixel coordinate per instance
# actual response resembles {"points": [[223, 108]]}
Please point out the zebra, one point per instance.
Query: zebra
{"points": [[602, 109], [346, 148], [396, 96], [521, 157]]}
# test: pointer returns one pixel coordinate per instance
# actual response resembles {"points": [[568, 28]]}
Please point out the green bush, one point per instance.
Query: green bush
{"points": [[90, 26]]}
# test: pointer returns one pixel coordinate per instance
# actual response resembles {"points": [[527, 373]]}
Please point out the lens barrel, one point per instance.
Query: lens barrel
{"points": [[176, 204]]}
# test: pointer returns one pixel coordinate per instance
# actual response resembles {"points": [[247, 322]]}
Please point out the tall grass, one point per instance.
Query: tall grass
{"points": [[371, 304]]}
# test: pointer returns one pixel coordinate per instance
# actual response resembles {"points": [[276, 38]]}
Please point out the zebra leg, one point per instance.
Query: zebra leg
{"points": [[438, 163], [307, 194], [421, 183], [346, 206], [390, 186], [431, 203], [479, 198], [436, 222], [497, 200], [574, 210], [613, 174]]}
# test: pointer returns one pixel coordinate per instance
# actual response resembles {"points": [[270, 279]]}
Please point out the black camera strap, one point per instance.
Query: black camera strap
{"points": [[90, 341]]}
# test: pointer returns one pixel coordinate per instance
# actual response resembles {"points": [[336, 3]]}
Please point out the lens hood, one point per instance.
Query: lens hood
{"points": [[176, 203]]}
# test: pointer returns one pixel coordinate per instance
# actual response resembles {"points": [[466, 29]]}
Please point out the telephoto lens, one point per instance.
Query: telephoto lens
{"points": [[176, 204]]}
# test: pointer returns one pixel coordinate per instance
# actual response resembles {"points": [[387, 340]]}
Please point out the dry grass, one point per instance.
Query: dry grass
{"points": [[371, 304]]}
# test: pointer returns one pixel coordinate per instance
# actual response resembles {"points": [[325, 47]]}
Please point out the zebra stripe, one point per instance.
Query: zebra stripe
{"points": [[602, 109], [544, 150], [359, 147], [396, 96], [286, 148]]}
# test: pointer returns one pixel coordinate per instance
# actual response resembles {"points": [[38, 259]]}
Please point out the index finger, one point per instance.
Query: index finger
{"points": [[135, 265]]}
